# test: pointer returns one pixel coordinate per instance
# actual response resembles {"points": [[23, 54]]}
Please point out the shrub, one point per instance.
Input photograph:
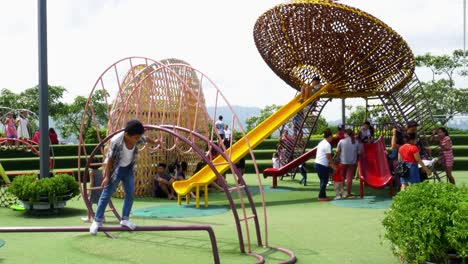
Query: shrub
{"points": [[61, 187], [428, 222], [91, 135]]}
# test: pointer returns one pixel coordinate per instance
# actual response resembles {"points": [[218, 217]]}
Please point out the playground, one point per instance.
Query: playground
{"points": [[221, 200]]}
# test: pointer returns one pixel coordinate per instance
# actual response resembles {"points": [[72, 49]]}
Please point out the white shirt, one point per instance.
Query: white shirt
{"points": [[276, 164], [126, 156], [227, 132], [323, 148], [23, 127], [220, 126]]}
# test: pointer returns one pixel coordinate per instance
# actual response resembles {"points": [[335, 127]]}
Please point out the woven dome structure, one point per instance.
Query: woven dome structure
{"points": [[353, 52], [164, 92]]}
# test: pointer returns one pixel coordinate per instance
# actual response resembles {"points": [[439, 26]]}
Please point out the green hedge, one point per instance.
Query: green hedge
{"points": [[58, 150]]}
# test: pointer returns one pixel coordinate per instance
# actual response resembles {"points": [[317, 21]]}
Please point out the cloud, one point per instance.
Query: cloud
{"points": [[215, 36]]}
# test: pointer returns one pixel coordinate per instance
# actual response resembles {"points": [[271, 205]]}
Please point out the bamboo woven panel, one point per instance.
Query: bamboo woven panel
{"points": [[160, 97], [352, 51]]}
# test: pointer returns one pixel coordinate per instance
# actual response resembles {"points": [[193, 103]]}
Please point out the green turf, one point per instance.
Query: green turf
{"points": [[317, 233]]}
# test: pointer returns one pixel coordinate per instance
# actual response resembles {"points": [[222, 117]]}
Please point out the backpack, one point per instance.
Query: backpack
{"points": [[401, 170]]}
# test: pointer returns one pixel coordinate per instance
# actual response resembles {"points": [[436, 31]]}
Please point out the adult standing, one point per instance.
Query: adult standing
{"points": [[323, 163], [22, 122], [348, 151], [219, 124], [409, 154]]}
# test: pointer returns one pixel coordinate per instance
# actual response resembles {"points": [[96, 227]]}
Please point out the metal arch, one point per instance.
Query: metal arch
{"points": [[195, 148]]}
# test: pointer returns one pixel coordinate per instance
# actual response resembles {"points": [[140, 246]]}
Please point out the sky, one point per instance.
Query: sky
{"points": [[215, 36]]}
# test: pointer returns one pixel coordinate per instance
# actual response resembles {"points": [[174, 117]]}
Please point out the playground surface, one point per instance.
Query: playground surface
{"points": [[316, 232]]}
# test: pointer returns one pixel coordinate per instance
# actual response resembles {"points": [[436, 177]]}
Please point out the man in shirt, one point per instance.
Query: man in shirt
{"points": [[323, 163], [219, 124]]}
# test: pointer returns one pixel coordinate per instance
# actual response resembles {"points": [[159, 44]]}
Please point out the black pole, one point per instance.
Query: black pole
{"points": [[343, 112], [43, 89]]}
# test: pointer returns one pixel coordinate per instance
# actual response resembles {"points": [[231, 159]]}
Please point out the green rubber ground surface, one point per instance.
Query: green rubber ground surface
{"points": [[320, 233]]}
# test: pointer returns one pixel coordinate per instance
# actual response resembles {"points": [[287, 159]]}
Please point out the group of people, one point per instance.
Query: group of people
{"points": [[407, 149], [19, 127]]}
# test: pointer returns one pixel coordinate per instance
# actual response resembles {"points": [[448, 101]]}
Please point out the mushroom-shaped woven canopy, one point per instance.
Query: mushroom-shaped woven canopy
{"points": [[353, 52]]}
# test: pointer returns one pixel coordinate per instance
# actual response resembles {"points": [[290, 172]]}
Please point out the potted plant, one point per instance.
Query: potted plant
{"points": [[428, 223], [43, 194]]}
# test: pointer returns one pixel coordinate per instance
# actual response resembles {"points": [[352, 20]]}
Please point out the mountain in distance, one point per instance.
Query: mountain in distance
{"points": [[242, 112]]}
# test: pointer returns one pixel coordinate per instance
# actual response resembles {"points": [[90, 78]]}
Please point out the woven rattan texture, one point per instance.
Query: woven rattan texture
{"points": [[352, 51], [161, 96]]}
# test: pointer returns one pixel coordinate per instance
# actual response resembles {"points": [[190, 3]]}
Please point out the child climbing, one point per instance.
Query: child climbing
{"points": [[120, 162]]}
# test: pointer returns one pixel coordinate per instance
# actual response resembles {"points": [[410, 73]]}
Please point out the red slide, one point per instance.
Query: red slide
{"points": [[275, 173], [373, 167]]}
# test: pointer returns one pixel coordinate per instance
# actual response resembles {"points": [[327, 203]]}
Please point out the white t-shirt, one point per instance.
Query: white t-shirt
{"points": [[276, 164], [323, 148], [220, 126], [227, 132], [126, 156]]}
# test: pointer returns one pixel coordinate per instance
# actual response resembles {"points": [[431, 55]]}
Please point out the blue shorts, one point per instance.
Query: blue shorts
{"points": [[12, 136], [413, 174]]}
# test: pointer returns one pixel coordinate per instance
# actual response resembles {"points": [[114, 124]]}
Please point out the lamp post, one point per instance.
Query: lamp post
{"points": [[43, 89]]}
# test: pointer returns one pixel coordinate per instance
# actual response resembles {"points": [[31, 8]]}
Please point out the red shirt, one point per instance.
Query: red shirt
{"points": [[407, 152], [53, 138]]}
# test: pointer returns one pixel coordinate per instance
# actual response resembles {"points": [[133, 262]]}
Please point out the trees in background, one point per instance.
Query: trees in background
{"points": [[29, 99], [253, 121], [67, 116], [69, 122], [445, 98]]}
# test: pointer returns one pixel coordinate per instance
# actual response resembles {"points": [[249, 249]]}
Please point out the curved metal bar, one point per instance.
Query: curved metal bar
{"points": [[73, 229], [260, 258], [292, 256], [195, 148]]}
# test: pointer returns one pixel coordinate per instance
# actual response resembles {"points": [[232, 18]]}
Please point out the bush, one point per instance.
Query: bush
{"points": [[61, 187], [91, 135], [428, 222]]}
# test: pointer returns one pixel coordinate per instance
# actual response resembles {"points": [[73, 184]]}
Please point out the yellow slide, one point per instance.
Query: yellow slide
{"points": [[3, 175], [205, 176]]}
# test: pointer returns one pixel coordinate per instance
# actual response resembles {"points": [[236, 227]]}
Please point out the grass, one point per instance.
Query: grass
{"points": [[316, 232]]}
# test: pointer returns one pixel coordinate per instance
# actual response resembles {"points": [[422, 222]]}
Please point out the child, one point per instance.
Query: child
{"points": [[275, 161], [23, 123], [447, 152], [365, 132], [306, 89], [163, 182], [338, 182], [10, 127], [303, 170], [181, 171], [95, 178], [120, 162]]}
